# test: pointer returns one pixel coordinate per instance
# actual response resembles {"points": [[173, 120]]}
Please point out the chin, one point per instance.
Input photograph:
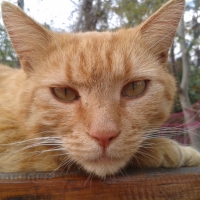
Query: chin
{"points": [[103, 167]]}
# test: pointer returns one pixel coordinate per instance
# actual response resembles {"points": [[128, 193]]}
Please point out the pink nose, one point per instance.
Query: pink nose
{"points": [[104, 137]]}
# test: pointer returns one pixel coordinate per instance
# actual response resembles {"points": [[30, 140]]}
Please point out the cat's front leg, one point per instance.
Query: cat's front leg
{"points": [[164, 152]]}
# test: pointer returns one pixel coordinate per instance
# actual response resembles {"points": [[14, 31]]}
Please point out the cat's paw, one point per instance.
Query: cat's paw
{"points": [[163, 152], [191, 157]]}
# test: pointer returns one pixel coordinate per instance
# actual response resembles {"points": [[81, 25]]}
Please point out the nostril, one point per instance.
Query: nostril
{"points": [[104, 137]]}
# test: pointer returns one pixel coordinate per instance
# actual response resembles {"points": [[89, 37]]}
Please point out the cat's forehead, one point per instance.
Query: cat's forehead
{"points": [[100, 58]]}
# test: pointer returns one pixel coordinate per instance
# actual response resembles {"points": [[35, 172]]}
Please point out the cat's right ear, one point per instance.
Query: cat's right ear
{"points": [[160, 28], [29, 39]]}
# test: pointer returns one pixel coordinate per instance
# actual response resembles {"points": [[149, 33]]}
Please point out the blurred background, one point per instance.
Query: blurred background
{"points": [[101, 15]]}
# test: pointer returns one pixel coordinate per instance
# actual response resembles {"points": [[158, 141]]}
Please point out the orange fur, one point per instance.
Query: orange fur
{"points": [[39, 132]]}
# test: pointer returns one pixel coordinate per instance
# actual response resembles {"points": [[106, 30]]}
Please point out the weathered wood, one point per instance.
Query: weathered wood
{"points": [[158, 184]]}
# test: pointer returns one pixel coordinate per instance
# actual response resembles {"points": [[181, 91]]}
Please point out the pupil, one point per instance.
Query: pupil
{"points": [[65, 92], [133, 86]]}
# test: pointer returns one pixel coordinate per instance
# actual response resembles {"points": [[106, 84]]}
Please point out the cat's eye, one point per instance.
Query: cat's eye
{"points": [[65, 94], [134, 89]]}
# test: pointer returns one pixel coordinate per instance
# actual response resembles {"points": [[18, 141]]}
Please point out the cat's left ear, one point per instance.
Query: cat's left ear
{"points": [[29, 39], [159, 29]]}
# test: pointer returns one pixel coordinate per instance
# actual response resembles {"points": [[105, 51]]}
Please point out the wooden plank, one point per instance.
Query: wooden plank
{"points": [[158, 184]]}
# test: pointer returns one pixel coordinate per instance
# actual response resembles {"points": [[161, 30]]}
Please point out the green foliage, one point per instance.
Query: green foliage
{"points": [[97, 15], [135, 11], [7, 54], [194, 86]]}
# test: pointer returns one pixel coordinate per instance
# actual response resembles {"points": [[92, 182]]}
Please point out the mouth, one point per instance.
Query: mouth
{"points": [[106, 159]]}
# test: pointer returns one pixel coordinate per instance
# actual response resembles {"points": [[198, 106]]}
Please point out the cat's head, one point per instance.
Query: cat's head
{"points": [[98, 92]]}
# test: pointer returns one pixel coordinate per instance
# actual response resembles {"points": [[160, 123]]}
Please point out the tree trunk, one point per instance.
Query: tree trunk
{"points": [[20, 3], [189, 115], [91, 12]]}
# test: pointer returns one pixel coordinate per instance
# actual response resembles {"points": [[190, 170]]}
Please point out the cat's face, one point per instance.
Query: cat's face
{"points": [[99, 93], [99, 68]]}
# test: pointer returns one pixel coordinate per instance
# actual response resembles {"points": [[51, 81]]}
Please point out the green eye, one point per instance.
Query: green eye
{"points": [[134, 89], [65, 94]]}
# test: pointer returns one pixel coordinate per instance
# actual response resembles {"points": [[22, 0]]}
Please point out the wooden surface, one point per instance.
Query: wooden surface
{"points": [[158, 184]]}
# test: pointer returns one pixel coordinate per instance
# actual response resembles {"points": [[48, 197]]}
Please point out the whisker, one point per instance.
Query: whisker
{"points": [[36, 140]]}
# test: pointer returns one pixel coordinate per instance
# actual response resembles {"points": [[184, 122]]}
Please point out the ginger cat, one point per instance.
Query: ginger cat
{"points": [[92, 99]]}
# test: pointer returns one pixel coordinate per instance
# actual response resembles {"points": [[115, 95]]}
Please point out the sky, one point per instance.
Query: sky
{"points": [[56, 13]]}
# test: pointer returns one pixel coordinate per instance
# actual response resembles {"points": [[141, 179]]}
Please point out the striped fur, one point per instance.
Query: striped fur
{"points": [[39, 132]]}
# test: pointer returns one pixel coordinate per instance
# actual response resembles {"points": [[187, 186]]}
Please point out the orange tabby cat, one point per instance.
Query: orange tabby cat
{"points": [[89, 99]]}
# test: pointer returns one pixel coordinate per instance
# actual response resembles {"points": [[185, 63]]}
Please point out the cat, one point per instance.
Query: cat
{"points": [[91, 100]]}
